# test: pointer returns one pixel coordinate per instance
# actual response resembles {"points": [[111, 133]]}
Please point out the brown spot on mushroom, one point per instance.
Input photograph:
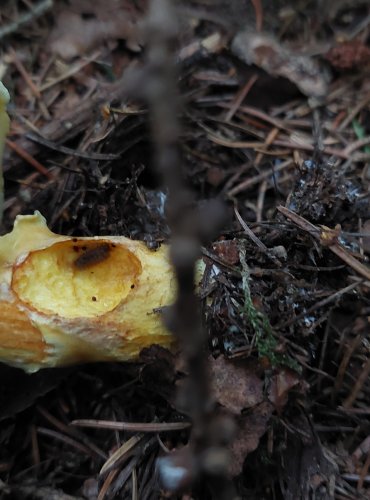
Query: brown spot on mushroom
{"points": [[92, 256]]}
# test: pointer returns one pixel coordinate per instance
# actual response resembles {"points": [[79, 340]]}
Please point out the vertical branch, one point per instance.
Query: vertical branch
{"points": [[184, 320], [208, 453]]}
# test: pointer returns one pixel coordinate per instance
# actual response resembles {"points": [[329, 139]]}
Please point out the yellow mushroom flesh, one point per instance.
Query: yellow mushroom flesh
{"points": [[65, 300]]}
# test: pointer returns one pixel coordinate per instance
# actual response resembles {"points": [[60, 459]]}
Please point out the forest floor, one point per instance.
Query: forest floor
{"points": [[275, 126]]}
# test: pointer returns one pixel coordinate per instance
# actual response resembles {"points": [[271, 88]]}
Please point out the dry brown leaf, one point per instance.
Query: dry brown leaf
{"points": [[251, 429], [85, 25], [280, 386], [235, 384], [349, 55], [307, 470], [267, 53], [227, 250]]}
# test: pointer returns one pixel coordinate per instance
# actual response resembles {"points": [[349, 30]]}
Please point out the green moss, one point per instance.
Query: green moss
{"points": [[266, 342]]}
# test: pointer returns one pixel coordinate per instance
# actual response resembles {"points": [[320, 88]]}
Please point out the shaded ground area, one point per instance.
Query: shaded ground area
{"points": [[275, 124]]}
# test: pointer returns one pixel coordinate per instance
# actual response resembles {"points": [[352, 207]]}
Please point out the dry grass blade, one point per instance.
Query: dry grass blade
{"points": [[108, 481], [248, 183], [135, 494], [335, 247], [35, 12], [66, 439], [73, 70], [69, 151], [133, 427], [255, 238], [328, 300], [120, 454], [250, 233], [29, 159], [361, 379]]}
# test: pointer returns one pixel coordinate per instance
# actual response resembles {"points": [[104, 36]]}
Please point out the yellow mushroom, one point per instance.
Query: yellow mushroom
{"points": [[66, 300], [4, 129]]}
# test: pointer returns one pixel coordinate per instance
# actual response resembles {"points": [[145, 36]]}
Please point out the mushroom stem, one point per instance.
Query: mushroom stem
{"points": [[4, 129]]}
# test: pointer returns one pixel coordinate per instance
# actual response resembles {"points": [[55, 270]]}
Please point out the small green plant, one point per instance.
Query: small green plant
{"points": [[266, 342], [360, 133]]}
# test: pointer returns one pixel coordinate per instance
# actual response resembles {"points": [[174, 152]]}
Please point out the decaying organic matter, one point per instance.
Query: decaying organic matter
{"points": [[284, 296], [65, 300]]}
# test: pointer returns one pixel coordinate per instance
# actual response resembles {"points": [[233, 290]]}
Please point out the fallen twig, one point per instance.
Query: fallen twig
{"points": [[335, 247], [37, 11]]}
